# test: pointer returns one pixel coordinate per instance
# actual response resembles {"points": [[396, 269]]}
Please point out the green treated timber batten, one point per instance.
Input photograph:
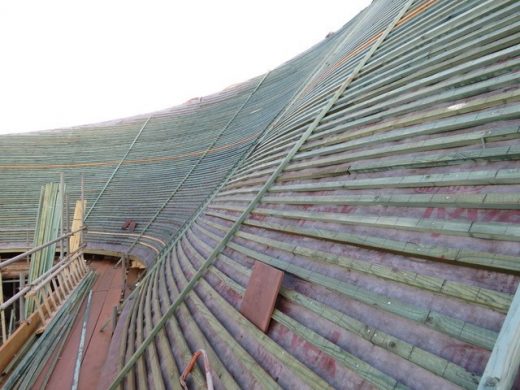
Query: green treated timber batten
{"points": [[464, 256], [47, 230], [496, 231], [125, 331], [482, 201], [433, 160], [132, 335], [463, 178], [421, 250], [504, 362], [140, 368], [494, 299], [454, 327], [485, 201], [367, 104], [178, 340], [475, 138], [217, 366], [501, 153], [165, 351], [470, 258], [500, 176], [117, 167], [153, 357], [128, 347]]}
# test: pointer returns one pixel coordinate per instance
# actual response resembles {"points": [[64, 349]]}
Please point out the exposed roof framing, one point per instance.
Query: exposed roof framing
{"points": [[378, 170]]}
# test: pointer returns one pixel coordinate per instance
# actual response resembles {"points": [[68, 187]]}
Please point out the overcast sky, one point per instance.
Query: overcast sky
{"points": [[65, 63]]}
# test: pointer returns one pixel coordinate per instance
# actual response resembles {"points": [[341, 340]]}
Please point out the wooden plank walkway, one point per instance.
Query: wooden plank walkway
{"points": [[105, 295]]}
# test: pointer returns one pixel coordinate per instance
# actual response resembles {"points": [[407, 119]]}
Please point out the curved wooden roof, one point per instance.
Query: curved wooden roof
{"points": [[379, 171]]}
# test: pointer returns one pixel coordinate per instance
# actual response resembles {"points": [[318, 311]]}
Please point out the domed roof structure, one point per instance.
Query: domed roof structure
{"points": [[377, 170]]}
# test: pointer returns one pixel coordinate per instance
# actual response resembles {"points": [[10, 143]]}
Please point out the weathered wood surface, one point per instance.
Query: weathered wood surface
{"points": [[504, 362]]}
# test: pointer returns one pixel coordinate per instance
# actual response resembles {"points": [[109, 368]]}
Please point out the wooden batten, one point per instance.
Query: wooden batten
{"points": [[77, 223], [14, 270], [502, 367], [15, 343]]}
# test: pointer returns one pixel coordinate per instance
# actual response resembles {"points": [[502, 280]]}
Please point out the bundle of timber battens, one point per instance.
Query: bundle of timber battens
{"points": [[47, 348], [47, 229]]}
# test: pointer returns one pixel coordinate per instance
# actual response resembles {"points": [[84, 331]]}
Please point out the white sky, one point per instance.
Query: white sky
{"points": [[66, 63]]}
